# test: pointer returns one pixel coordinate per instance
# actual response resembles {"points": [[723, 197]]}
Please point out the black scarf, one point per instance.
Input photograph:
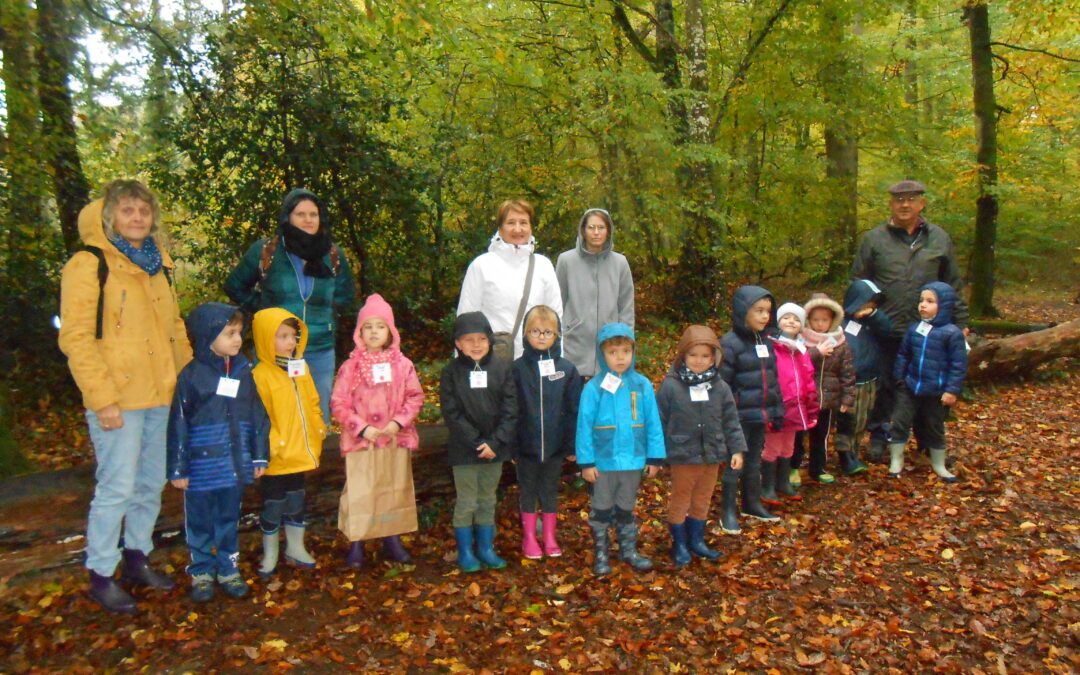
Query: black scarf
{"points": [[691, 378]]}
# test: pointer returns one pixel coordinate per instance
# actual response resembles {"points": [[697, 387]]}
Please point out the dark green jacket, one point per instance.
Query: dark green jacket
{"points": [[281, 288], [900, 265]]}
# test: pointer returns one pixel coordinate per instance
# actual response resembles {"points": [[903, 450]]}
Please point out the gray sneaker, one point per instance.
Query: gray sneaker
{"points": [[234, 585], [202, 587]]}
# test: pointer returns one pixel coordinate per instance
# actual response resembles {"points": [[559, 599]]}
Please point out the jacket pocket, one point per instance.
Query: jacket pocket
{"points": [[640, 442], [604, 441], [679, 439]]}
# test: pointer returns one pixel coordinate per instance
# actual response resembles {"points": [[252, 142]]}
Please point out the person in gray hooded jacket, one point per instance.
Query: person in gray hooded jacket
{"points": [[597, 288]]}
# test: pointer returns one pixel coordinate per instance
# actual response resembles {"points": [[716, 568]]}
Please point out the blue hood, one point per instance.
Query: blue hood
{"points": [[858, 294], [609, 331], [946, 298], [554, 352], [204, 324], [742, 301]]}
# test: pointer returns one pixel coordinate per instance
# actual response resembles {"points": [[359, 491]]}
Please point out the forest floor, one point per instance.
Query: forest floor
{"points": [[864, 575]]}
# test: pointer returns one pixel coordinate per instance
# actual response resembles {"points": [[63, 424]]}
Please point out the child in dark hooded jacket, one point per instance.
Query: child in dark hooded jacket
{"points": [[548, 388], [480, 408], [217, 444], [702, 433], [930, 370], [749, 368]]}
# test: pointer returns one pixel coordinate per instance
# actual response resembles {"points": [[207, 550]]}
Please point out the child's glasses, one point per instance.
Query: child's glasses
{"points": [[537, 333]]}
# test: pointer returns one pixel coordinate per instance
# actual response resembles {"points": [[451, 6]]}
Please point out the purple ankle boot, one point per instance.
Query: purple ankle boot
{"points": [[136, 570], [107, 593], [393, 550], [355, 558]]}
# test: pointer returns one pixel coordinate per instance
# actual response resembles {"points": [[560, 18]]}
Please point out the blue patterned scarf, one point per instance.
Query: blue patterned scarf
{"points": [[148, 258]]}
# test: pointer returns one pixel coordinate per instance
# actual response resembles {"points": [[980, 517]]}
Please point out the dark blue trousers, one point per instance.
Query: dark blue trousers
{"points": [[211, 521]]}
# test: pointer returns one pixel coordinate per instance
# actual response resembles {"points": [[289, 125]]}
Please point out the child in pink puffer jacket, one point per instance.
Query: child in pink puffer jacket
{"points": [[795, 373], [376, 399]]}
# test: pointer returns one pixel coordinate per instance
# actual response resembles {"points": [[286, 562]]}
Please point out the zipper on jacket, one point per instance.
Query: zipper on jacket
{"points": [[300, 287], [922, 358], [542, 445], [798, 389], [123, 300], [764, 383], [633, 405], [303, 423]]}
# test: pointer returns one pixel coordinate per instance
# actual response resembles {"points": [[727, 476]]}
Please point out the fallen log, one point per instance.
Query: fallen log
{"points": [[1021, 354], [1003, 327]]}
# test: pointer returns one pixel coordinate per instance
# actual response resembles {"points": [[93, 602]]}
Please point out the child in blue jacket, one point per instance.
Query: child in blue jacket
{"points": [[217, 443], [930, 370], [618, 433]]}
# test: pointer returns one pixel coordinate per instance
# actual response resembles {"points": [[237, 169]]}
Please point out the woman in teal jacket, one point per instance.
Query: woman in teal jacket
{"points": [[301, 270]]}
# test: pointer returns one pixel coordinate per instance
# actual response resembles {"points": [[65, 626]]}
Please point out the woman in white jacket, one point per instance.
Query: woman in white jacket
{"points": [[495, 281]]}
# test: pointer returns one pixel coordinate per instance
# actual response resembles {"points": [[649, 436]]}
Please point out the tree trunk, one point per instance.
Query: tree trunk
{"points": [[667, 57], [981, 269], [54, 57], [25, 181], [1020, 354]]}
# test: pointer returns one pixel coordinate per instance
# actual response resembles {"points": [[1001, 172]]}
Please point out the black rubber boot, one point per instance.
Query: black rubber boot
{"points": [[783, 479], [601, 545], [751, 497], [729, 512], [768, 484], [136, 570], [627, 529], [107, 593]]}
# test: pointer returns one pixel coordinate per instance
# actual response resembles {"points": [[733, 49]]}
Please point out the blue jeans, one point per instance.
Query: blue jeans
{"points": [[130, 476], [211, 521], [323, 367]]}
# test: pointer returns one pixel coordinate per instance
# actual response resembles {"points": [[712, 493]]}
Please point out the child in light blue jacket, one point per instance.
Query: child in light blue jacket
{"points": [[619, 433]]}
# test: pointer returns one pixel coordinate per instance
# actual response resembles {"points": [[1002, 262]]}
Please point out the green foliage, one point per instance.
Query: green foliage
{"points": [[12, 462]]}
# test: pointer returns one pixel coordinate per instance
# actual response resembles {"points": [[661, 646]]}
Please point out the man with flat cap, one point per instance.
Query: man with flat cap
{"points": [[900, 257]]}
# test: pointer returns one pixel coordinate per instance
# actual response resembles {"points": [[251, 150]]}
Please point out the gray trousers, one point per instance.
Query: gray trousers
{"points": [[614, 496]]}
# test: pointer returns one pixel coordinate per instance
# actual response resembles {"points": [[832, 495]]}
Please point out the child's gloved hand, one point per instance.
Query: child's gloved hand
{"points": [[180, 483], [948, 399], [590, 474]]}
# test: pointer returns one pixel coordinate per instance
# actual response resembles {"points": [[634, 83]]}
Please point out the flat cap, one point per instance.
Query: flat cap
{"points": [[907, 187]]}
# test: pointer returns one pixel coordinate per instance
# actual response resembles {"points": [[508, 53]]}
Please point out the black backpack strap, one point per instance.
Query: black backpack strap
{"points": [[103, 276]]}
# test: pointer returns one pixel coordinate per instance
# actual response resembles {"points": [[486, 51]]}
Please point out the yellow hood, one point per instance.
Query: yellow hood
{"points": [[265, 325]]}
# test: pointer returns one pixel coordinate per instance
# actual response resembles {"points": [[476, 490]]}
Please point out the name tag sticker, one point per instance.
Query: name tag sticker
{"points": [[227, 386], [853, 328], [478, 379], [923, 328], [297, 367], [699, 392], [547, 367], [611, 383], [380, 372], [762, 351]]}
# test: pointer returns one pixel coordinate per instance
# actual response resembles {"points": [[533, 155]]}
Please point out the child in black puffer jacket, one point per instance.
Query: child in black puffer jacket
{"points": [[749, 369], [930, 370], [548, 388]]}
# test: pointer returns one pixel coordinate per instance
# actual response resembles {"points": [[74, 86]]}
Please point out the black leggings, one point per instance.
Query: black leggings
{"points": [[283, 501], [539, 481], [819, 444]]}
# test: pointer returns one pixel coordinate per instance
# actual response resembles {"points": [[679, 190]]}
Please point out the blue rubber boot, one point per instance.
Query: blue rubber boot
{"points": [[485, 547], [680, 555], [695, 530], [466, 559]]}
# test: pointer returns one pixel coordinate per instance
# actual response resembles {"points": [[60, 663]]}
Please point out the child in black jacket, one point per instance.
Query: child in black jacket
{"points": [[479, 406], [702, 432], [749, 368], [548, 389]]}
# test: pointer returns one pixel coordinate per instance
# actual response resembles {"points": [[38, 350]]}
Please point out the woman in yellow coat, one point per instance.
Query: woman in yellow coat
{"points": [[125, 343], [297, 430]]}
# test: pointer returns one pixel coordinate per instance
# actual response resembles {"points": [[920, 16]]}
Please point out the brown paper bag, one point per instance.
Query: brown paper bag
{"points": [[378, 499]]}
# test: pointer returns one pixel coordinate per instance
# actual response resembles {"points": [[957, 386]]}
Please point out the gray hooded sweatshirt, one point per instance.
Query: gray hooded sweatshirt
{"points": [[597, 289]]}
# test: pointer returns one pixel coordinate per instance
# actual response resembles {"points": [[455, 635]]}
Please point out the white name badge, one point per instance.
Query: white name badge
{"points": [[478, 379], [547, 367], [762, 351], [611, 383], [923, 328], [380, 372], [699, 392], [226, 386], [297, 367], [853, 328]]}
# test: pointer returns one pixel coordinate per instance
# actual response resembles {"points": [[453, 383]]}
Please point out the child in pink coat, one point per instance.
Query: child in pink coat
{"points": [[795, 373], [376, 399]]}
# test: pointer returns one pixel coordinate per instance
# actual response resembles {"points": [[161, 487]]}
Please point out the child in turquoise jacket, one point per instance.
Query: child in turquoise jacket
{"points": [[619, 433]]}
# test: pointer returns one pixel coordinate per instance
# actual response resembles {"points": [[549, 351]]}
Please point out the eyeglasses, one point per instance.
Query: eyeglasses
{"points": [[906, 199], [537, 333]]}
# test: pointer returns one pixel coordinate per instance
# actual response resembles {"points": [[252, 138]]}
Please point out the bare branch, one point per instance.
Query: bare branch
{"points": [[1036, 50]]}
